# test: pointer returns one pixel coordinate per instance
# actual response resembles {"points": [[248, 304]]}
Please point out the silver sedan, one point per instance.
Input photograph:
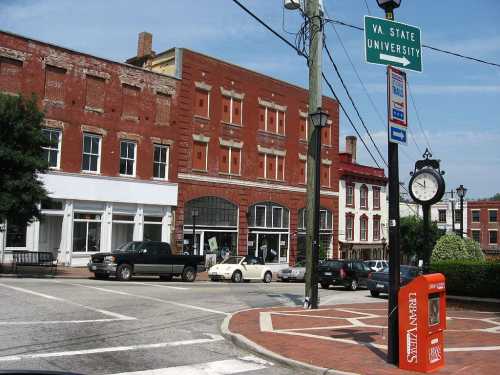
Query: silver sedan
{"points": [[296, 273]]}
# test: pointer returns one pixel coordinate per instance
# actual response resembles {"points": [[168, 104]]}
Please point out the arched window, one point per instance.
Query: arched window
{"points": [[363, 196], [211, 211]]}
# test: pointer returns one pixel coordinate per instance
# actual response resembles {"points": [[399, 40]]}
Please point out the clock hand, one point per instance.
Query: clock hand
{"points": [[420, 184]]}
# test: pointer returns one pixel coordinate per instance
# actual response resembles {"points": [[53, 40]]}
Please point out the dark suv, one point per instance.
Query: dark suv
{"points": [[145, 258], [349, 273]]}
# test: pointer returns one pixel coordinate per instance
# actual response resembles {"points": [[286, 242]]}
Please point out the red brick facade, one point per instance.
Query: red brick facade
{"points": [[483, 225], [220, 104], [81, 93]]}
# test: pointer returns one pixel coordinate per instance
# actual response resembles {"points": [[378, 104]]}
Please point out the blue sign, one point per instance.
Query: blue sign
{"points": [[397, 134]]}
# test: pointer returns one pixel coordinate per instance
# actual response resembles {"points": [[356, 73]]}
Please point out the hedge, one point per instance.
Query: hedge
{"points": [[470, 278]]}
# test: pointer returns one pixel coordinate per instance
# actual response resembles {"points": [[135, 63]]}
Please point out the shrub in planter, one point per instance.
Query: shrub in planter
{"points": [[473, 249], [470, 278], [450, 247]]}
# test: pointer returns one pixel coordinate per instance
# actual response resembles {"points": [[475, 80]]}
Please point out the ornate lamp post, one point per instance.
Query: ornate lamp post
{"points": [[389, 6], [461, 191]]}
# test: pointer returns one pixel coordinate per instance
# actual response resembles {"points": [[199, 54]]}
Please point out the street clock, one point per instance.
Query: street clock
{"points": [[427, 184]]}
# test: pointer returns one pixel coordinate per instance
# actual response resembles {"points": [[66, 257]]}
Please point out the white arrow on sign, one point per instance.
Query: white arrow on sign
{"points": [[400, 60]]}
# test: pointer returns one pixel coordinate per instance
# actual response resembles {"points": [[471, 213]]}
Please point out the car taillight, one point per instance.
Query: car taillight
{"points": [[342, 273]]}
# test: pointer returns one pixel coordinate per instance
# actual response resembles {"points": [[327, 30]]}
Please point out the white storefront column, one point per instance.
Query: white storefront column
{"points": [[166, 224], [3, 238], [106, 228], [139, 224], [66, 247]]}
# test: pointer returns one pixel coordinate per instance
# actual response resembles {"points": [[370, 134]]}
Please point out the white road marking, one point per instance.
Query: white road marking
{"points": [[224, 367], [159, 286], [155, 299], [43, 295], [38, 322], [20, 357]]}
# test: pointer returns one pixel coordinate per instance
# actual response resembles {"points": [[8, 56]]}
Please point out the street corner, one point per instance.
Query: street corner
{"points": [[353, 338]]}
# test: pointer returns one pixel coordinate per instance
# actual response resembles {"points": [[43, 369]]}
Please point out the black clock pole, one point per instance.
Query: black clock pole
{"points": [[426, 208]]}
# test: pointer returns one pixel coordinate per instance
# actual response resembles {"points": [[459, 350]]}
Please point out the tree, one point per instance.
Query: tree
{"points": [[449, 247], [473, 249], [496, 197], [21, 159], [412, 239]]}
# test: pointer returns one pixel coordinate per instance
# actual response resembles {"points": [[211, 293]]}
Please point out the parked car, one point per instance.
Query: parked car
{"points": [[238, 269], [377, 265], [349, 273], [378, 282], [296, 273], [145, 258]]}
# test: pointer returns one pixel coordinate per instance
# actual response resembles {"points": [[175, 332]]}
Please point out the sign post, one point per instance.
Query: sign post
{"points": [[392, 43]]}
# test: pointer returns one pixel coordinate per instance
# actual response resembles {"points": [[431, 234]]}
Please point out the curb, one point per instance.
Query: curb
{"points": [[247, 344]]}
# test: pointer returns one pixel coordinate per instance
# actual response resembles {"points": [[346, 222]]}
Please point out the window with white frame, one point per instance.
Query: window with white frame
{"points": [[363, 196], [363, 228], [86, 232], [232, 110], [493, 237], [442, 216], [476, 235], [272, 120], [274, 167], [230, 160], [277, 217], [350, 195], [349, 227], [492, 216], [127, 158], [476, 216], [376, 198], [160, 161], [52, 152], [376, 228], [91, 156]]}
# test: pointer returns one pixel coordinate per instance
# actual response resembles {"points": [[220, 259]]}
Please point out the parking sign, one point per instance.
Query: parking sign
{"points": [[398, 113]]}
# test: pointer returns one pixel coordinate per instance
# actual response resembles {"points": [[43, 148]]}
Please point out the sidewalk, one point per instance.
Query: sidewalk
{"points": [[352, 339], [64, 272]]}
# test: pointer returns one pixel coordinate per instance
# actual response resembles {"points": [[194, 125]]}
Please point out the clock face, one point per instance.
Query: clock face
{"points": [[424, 186]]}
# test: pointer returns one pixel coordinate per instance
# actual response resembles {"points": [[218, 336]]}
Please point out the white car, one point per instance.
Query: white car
{"points": [[377, 264], [238, 269]]}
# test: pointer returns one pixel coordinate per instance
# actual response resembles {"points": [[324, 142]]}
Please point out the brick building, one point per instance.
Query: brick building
{"points": [[241, 155], [363, 208], [111, 162], [483, 225]]}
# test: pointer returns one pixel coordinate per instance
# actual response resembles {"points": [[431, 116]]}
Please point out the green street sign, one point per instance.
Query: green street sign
{"points": [[392, 43]]}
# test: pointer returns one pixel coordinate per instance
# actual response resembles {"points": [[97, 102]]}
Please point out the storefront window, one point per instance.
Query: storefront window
{"points": [[152, 228], [122, 230], [325, 233], [268, 232], [86, 232]]}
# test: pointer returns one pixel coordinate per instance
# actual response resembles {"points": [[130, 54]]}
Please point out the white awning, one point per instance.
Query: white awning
{"points": [[109, 189]]}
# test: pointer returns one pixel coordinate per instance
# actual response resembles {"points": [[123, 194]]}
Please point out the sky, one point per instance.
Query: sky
{"points": [[457, 101]]}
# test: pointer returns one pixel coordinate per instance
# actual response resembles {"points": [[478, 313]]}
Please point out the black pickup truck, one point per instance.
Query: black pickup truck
{"points": [[145, 258]]}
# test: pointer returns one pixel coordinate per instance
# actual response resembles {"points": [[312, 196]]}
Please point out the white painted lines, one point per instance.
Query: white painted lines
{"points": [[224, 367], [48, 322], [114, 315], [21, 357], [193, 307], [159, 285]]}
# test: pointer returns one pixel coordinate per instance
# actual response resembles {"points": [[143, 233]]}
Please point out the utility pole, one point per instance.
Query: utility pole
{"points": [[314, 13]]}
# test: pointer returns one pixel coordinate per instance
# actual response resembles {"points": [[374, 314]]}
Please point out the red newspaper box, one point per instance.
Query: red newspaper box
{"points": [[422, 320]]}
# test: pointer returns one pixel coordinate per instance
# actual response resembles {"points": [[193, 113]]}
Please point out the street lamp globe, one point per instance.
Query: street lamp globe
{"points": [[388, 5], [319, 118], [461, 191]]}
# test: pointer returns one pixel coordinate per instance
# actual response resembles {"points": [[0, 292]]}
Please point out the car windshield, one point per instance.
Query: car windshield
{"points": [[129, 246], [232, 260], [409, 271], [335, 264], [370, 263]]}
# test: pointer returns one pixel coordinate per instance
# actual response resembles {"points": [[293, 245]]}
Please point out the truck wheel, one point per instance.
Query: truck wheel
{"points": [[353, 285], [124, 272], [237, 277], [166, 277], [374, 293], [188, 274], [268, 276], [325, 285]]}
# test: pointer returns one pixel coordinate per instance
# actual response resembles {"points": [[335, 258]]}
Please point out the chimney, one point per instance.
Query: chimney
{"points": [[350, 147], [145, 44]]}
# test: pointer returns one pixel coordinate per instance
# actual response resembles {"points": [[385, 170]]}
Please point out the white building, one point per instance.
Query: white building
{"points": [[362, 208], [89, 214]]}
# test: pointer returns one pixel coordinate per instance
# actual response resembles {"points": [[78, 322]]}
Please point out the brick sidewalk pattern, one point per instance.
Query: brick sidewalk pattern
{"points": [[353, 338]]}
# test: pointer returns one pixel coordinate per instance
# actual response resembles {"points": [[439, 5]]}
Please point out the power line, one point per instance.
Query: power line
{"points": [[368, 8], [248, 11], [456, 54], [352, 102]]}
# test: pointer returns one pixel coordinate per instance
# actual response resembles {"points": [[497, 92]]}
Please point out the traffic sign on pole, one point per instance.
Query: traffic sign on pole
{"points": [[397, 105], [392, 43]]}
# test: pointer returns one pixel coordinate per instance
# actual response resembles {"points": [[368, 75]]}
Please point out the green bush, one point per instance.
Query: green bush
{"points": [[470, 278], [473, 249], [449, 247]]}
